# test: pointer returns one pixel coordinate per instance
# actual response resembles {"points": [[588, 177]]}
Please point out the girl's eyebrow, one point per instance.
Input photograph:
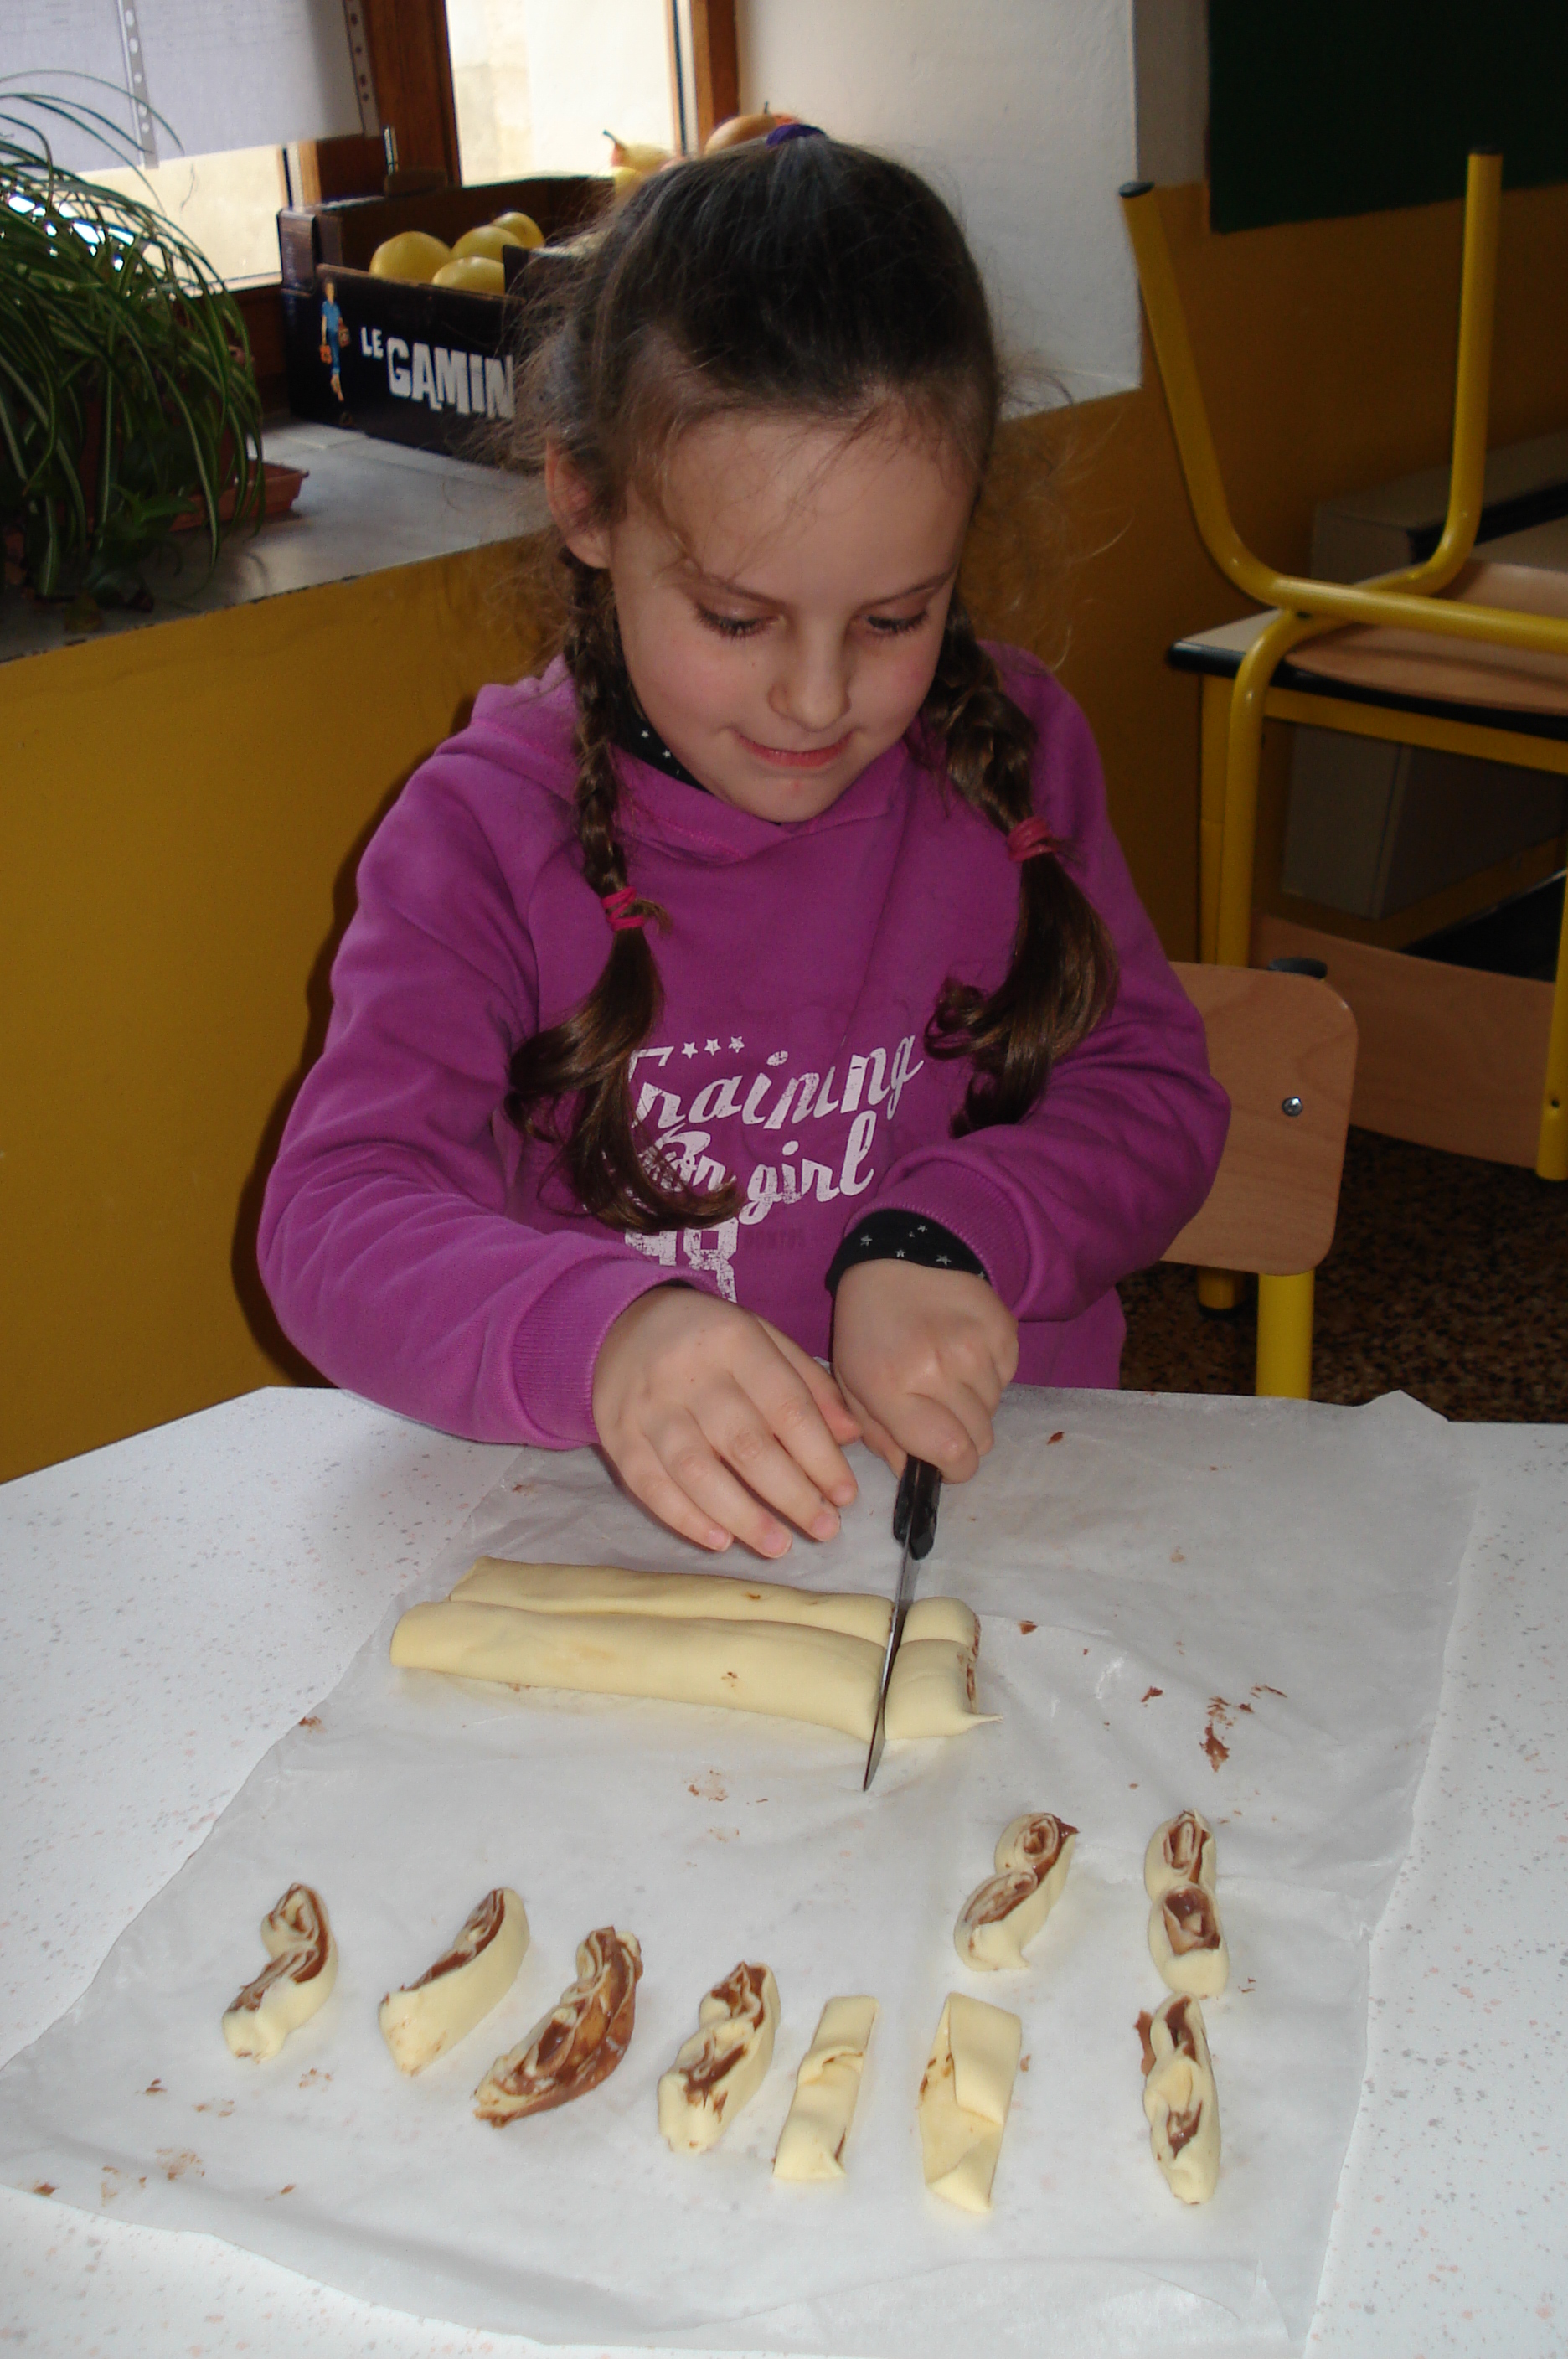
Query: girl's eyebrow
{"points": [[695, 576]]}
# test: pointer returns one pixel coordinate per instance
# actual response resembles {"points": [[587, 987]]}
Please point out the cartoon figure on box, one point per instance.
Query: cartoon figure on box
{"points": [[334, 339]]}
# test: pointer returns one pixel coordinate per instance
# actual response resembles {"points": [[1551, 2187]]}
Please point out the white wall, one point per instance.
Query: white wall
{"points": [[1022, 112]]}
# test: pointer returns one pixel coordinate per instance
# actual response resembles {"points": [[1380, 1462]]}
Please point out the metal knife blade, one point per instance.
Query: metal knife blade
{"points": [[914, 1523]]}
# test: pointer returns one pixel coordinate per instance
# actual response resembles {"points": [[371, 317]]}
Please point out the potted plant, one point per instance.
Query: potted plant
{"points": [[127, 405]]}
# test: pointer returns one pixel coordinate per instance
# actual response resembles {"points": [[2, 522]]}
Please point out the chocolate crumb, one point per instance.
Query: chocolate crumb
{"points": [[1027, 1627], [1150, 1692], [43, 2186], [155, 2089], [1055, 1437]]}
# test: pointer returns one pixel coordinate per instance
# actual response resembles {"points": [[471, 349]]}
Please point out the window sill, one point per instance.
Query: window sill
{"points": [[365, 507]]}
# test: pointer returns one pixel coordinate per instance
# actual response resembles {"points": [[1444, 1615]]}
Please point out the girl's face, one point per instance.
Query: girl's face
{"points": [[782, 614]]}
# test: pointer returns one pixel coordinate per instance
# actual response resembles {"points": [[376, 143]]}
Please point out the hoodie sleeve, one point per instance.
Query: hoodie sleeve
{"points": [[1122, 1146], [385, 1241]]}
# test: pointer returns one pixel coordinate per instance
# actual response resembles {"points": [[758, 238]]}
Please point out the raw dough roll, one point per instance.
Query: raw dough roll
{"points": [[964, 2097], [812, 2143], [1003, 1915], [299, 1979], [824, 1677], [721, 2068], [425, 2018], [1186, 1942], [1180, 2098], [704, 1596], [1180, 1852], [575, 2046]]}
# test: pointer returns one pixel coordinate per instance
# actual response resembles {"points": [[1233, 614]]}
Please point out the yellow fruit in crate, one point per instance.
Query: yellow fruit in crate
{"points": [[476, 274], [639, 155], [525, 230], [412, 254], [490, 242]]}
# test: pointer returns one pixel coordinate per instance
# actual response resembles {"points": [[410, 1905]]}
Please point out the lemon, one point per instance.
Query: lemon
{"points": [[476, 274], [526, 231], [410, 255], [489, 243]]}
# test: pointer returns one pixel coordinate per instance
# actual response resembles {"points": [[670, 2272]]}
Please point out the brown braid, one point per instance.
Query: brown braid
{"points": [[619, 1178], [1063, 973]]}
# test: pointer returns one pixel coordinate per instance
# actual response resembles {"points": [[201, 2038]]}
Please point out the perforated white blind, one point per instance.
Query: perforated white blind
{"points": [[219, 73]]}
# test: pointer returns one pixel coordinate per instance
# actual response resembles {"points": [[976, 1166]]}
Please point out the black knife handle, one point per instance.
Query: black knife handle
{"points": [[914, 1509]]}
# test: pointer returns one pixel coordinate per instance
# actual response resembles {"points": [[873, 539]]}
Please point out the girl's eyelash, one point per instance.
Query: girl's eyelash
{"points": [[731, 626], [745, 627]]}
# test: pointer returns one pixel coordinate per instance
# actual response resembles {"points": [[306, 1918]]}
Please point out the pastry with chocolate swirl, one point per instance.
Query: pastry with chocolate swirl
{"points": [[1180, 1852], [425, 2018], [1003, 1915], [1180, 2098], [578, 2044], [720, 2068], [288, 1992]]}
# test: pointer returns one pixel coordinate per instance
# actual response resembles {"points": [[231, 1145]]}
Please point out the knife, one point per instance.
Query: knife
{"points": [[914, 1523]]}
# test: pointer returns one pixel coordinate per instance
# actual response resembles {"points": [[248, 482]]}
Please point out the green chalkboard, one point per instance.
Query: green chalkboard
{"points": [[1319, 107]]}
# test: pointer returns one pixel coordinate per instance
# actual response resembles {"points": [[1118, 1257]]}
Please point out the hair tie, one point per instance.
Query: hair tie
{"points": [[1029, 839], [617, 908], [783, 131]]}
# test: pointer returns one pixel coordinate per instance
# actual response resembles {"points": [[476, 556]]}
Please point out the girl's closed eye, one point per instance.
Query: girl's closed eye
{"points": [[732, 626], [893, 627]]}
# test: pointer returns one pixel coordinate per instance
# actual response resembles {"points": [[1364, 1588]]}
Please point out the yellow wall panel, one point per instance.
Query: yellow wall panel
{"points": [[182, 808]]}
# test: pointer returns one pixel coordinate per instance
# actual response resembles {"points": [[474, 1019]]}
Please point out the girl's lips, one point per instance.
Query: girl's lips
{"points": [[783, 757]]}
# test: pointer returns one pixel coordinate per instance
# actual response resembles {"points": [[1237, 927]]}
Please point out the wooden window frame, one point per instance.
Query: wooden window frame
{"points": [[410, 63]]}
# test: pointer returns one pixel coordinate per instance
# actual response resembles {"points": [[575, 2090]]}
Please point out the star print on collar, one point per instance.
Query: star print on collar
{"points": [[710, 1049], [639, 737], [735, 1043], [690, 1049]]}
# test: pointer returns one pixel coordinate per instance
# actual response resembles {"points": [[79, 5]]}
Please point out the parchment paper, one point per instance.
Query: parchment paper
{"points": [[1237, 1606]]}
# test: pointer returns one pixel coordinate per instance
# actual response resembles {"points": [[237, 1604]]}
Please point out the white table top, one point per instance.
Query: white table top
{"points": [[151, 1656]]}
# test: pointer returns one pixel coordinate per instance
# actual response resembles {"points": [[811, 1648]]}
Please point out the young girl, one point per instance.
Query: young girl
{"points": [[763, 984]]}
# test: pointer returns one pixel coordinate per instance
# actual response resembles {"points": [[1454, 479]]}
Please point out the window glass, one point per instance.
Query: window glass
{"points": [[226, 204], [538, 83]]}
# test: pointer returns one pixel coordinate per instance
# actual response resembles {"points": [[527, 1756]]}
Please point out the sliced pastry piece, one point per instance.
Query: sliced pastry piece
{"points": [[299, 1979], [722, 2065], [1180, 2098], [1180, 1852], [575, 2046], [1187, 1943], [826, 2087], [1006, 1912], [965, 2096], [425, 2018]]}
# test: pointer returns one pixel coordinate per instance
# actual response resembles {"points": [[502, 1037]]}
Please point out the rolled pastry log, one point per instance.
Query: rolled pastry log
{"points": [[1006, 1912], [1180, 2098], [721, 2068], [826, 2087], [1186, 1941], [825, 1677], [1180, 1852], [965, 2096], [425, 2018], [299, 1979], [575, 2046], [704, 1596]]}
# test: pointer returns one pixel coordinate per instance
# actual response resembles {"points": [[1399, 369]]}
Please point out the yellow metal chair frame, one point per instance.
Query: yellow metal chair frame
{"points": [[1235, 710]]}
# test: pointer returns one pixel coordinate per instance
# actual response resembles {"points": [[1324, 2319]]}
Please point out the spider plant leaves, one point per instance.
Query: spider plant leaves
{"points": [[126, 399]]}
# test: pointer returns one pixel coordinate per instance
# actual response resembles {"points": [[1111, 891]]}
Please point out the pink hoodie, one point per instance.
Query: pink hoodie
{"points": [[421, 1253]]}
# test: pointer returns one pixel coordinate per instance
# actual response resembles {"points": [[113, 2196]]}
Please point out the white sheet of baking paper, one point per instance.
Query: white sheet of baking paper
{"points": [[1237, 1605]]}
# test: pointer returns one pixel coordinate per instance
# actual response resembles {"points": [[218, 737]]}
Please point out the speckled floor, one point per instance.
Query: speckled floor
{"points": [[1447, 1279]]}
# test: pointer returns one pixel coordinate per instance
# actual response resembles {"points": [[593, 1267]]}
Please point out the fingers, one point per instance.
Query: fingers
{"points": [[812, 1428]]}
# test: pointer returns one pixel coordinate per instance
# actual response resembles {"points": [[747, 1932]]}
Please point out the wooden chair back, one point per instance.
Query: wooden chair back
{"points": [[1277, 1042]]}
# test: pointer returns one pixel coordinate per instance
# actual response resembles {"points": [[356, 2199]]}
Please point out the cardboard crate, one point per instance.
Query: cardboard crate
{"points": [[430, 365]]}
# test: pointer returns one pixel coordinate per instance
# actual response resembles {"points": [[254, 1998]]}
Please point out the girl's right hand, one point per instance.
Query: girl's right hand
{"points": [[700, 1405]]}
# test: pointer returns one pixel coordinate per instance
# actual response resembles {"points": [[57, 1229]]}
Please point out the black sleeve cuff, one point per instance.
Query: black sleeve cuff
{"points": [[903, 1236]]}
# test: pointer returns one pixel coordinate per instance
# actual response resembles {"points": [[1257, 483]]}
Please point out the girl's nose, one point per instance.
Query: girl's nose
{"points": [[813, 689]]}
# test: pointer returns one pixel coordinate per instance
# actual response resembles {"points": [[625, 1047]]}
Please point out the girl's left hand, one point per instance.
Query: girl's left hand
{"points": [[922, 1357]]}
